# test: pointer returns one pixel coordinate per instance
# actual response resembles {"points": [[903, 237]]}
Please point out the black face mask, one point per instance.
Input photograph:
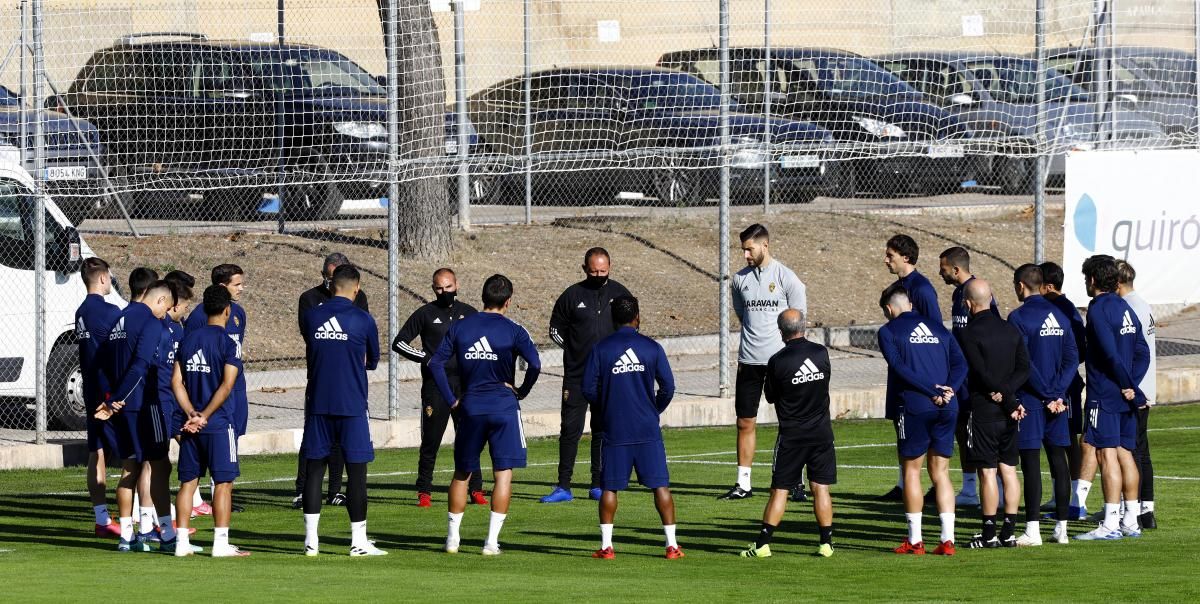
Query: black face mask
{"points": [[446, 298], [596, 280]]}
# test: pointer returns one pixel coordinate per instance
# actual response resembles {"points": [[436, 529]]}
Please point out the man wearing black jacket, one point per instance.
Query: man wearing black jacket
{"points": [[581, 317], [431, 322], [998, 365], [308, 301]]}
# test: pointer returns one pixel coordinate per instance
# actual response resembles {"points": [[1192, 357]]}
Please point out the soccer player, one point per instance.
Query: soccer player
{"points": [[431, 322], [1125, 277], [1117, 360], [954, 267], [1052, 283], [998, 366], [337, 463], [231, 277], [798, 385], [761, 290], [1053, 364], [175, 326], [925, 368], [145, 513], [618, 380], [581, 318], [900, 257], [343, 344], [128, 356], [486, 346], [206, 368], [93, 320]]}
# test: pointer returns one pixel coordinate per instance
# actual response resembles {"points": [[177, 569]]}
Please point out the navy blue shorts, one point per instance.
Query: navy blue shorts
{"points": [[1108, 430], [241, 411], [154, 433], [1057, 429], [352, 432], [1031, 429], [99, 433], [501, 432], [922, 433], [1075, 405], [214, 453], [125, 442], [649, 459]]}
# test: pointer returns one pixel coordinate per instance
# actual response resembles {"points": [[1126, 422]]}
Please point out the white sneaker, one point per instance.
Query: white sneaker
{"points": [[1061, 536], [451, 546], [1100, 533], [366, 550], [491, 549], [966, 499], [1131, 531], [312, 550], [1027, 540], [229, 551]]}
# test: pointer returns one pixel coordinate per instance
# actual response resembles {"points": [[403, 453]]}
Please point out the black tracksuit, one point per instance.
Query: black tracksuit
{"points": [[430, 323], [997, 361]]}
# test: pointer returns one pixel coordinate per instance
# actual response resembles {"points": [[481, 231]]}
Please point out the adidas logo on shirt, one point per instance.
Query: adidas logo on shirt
{"points": [[198, 364], [627, 363], [922, 335], [1050, 327], [581, 305], [81, 330], [481, 351], [808, 372], [331, 330], [118, 330], [1127, 325]]}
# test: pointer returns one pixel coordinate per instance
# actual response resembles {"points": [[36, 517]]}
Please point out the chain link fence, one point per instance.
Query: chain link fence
{"points": [[181, 134]]}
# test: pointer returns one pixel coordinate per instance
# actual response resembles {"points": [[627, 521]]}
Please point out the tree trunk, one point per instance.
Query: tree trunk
{"points": [[423, 205]]}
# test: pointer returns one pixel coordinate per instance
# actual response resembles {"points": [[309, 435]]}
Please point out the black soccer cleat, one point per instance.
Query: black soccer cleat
{"points": [[798, 495], [338, 499], [896, 494], [736, 492], [1010, 542], [297, 502], [1147, 521], [977, 542]]}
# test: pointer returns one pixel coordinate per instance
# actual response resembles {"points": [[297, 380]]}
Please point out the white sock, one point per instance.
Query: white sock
{"points": [[358, 534], [900, 478], [744, 477], [182, 541], [969, 486], [1082, 488], [1132, 509], [494, 525], [196, 498], [947, 526], [1112, 516], [146, 520], [669, 531], [1147, 507], [127, 528], [311, 524], [914, 527], [1060, 527], [165, 528], [1033, 528], [103, 519], [220, 537], [453, 522], [173, 514], [605, 536]]}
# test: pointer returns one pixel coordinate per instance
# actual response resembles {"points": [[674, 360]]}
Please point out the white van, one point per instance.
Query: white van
{"points": [[65, 291]]}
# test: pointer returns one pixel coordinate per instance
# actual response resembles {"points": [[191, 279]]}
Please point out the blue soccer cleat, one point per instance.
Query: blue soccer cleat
{"points": [[594, 493], [558, 495], [136, 545]]}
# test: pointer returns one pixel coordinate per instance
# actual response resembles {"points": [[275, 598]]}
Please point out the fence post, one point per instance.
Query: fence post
{"points": [[460, 101], [723, 212], [39, 229], [528, 116], [1196, 82], [1039, 173], [393, 176], [767, 104]]}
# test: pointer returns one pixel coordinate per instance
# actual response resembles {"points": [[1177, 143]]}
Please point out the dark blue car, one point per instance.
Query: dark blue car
{"points": [[597, 131]]}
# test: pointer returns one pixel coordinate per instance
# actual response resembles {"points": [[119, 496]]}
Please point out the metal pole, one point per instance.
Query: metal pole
{"points": [[1101, 81], [723, 212], [279, 21], [393, 129], [527, 102], [460, 97], [1112, 68], [1039, 172], [24, 79], [1196, 82], [767, 104], [280, 216], [39, 228]]}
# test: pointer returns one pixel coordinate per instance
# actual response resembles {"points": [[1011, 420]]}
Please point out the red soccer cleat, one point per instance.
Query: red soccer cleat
{"points": [[478, 498], [604, 554], [945, 549], [674, 552], [909, 548], [204, 509], [112, 529], [424, 500]]}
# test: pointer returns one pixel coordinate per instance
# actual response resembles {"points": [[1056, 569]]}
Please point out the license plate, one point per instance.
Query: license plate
{"points": [[66, 173], [945, 151], [451, 147], [793, 162]]}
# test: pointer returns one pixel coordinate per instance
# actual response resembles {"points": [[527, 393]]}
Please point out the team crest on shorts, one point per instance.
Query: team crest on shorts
{"points": [[428, 411], [566, 395], [771, 287]]}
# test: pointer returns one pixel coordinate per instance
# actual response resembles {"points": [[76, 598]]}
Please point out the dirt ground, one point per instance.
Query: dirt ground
{"points": [[669, 263]]}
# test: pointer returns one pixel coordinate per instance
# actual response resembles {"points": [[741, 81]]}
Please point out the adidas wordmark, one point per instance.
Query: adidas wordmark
{"points": [[627, 363], [922, 335], [481, 351], [808, 372], [331, 330]]}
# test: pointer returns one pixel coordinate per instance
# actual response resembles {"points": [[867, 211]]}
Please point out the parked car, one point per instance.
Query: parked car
{"points": [[893, 140], [193, 115], [1158, 82], [642, 129], [995, 96]]}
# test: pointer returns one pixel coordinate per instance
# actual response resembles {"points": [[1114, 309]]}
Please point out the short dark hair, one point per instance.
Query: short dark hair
{"points": [[335, 259], [345, 277], [140, 279], [216, 300], [222, 274], [496, 291], [957, 256], [444, 270], [92, 269], [891, 291], [1101, 270], [905, 246], [756, 232], [1030, 275], [181, 285], [163, 286], [181, 277], [595, 251], [1125, 273], [624, 310], [1053, 274]]}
